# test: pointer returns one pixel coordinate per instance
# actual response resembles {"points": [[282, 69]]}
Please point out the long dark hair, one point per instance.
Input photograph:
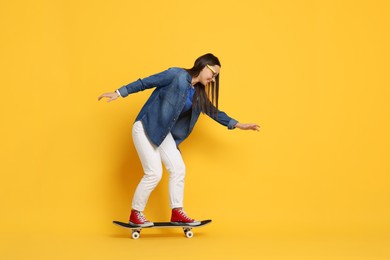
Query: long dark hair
{"points": [[206, 97]]}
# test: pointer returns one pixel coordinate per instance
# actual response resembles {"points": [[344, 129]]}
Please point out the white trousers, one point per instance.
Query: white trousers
{"points": [[152, 158]]}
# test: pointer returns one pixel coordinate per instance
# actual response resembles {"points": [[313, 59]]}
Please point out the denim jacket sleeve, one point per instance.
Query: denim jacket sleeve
{"points": [[156, 80], [224, 119]]}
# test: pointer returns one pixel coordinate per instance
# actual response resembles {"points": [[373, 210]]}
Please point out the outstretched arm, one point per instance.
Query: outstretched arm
{"points": [[231, 123], [156, 80]]}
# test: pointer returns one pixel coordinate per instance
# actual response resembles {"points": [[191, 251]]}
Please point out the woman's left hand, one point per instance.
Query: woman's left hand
{"points": [[254, 127]]}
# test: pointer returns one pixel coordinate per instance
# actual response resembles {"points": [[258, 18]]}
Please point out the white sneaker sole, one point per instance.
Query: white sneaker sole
{"points": [[195, 223], [148, 224]]}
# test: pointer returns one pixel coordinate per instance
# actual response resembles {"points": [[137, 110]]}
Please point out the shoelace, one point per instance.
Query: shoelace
{"points": [[141, 217], [183, 214]]}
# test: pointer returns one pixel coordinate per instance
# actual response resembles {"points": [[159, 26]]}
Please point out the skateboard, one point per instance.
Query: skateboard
{"points": [[136, 230]]}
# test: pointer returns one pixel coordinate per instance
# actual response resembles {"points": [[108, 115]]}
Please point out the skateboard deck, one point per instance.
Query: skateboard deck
{"points": [[136, 230]]}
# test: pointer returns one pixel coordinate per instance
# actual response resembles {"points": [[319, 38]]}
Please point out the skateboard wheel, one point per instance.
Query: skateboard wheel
{"points": [[189, 234], [135, 234]]}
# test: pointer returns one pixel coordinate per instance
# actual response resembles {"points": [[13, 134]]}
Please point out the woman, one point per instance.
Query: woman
{"points": [[166, 119]]}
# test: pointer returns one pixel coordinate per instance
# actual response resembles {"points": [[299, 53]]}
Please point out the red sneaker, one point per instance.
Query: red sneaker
{"points": [[180, 217], [138, 219]]}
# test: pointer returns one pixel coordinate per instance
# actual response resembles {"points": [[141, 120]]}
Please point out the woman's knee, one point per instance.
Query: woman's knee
{"points": [[153, 177]]}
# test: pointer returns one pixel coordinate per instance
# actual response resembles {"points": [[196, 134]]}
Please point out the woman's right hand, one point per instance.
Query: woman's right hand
{"points": [[110, 95]]}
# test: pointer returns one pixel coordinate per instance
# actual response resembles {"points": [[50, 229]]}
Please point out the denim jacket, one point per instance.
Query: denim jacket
{"points": [[161, 113]]}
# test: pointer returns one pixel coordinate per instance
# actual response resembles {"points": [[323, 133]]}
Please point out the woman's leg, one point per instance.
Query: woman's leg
{"points": [[150, 159], [173, 161]]}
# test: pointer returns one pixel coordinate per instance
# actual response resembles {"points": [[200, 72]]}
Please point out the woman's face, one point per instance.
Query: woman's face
{"points": [[208, 74]]}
